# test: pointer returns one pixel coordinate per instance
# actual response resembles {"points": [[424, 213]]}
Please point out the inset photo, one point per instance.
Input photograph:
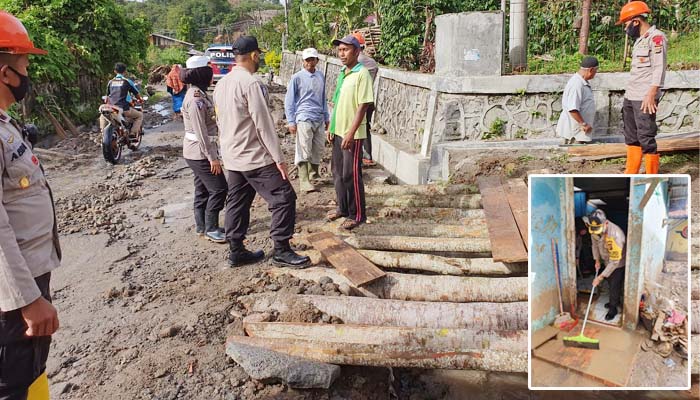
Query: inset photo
{"points": [[609, 279]]}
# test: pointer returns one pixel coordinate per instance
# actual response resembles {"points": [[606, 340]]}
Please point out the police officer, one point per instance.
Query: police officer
{"points": [[200, 150], [28, 234], [644, 87], [608, 244]]}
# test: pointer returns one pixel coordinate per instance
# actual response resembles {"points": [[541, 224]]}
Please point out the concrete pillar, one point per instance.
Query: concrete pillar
{"points": [[517, 37], [429, 125]]}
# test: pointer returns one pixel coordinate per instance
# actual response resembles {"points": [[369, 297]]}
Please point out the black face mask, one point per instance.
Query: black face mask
{"points": [[19, 91], [633, 31]]}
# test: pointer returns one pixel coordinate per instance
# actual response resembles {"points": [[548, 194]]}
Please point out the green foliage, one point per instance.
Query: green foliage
{"points": [[679, 159], [520, 134], [273, 60], [169, 56], [185, 29], [684, 51], [496, 130], [84, 39]]}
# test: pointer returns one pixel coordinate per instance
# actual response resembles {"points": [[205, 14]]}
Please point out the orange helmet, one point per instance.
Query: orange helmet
{"points": [[631, 10], [360, 38], [14, 38]]}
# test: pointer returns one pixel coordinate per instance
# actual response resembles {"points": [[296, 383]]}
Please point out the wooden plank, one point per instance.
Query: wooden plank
{"points": [[611, 364], [541, 336], [506, 242], [518, 199], [648, 193], [345, 259], [391, 355], [612, 150], [412, 314]]}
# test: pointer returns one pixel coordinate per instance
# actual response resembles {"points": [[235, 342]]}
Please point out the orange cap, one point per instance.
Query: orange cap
{"points": [[360, 38], [631, 10], [14, 38]]}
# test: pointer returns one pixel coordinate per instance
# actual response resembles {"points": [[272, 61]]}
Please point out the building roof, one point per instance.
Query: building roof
{"points": [[173, 39]]}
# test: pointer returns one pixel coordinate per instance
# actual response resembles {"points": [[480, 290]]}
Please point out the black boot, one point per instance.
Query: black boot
{"points": [[284, 256], [607, 305], [240, 256], [212, 229], [199, 221], [612, 312]]}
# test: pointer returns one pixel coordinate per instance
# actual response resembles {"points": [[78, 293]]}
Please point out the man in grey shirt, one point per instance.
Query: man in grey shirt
{"points": [[578, 105], [253, 160]]}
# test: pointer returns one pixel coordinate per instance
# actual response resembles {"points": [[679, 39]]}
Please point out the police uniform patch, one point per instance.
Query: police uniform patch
{"points": [[200, 104], [24, 182], [658, 43], [35, 160], [11, 139]]}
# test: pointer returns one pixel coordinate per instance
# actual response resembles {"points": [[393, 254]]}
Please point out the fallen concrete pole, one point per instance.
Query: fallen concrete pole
{"points": [[411, 314], [414, 229], [453, 215], [427, 190], [695, 320], [695, 347], [391, 355], [694, 282], [264, 364], [470, 201], [432, 263], [427, 287], [420, 244], [411, 338]]}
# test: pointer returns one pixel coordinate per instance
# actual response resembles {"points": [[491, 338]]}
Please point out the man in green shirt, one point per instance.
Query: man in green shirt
{"points": [[348, 128]]}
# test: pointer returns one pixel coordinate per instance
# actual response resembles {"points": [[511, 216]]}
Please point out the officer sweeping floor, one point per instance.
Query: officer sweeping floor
{"points": [[608, 243], [28, 234], [644, 88]]}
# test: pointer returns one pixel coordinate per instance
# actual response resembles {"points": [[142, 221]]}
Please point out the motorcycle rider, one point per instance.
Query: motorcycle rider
{"points": [[118, 89]]}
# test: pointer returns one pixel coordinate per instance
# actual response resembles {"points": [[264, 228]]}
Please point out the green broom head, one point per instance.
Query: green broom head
{"points": [[582, 341]]}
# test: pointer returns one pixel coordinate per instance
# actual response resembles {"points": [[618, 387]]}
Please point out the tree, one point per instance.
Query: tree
{"points": [[186, 29]]}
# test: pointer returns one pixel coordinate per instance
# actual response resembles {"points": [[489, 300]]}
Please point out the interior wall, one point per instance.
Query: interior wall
{"points": [[655, 234]]}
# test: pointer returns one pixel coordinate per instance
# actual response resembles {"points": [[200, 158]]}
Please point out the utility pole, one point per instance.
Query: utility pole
{"points": [[286, 27], [585, 27], [517, 37]]}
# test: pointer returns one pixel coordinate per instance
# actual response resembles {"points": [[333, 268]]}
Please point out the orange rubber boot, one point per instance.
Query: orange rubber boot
{"points": [[651, 163], [634, 159]]}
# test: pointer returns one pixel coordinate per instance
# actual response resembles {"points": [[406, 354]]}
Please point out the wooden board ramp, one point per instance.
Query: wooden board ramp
{"points": [[505, 238], [345, 259], [518, 200], [611, 365]]}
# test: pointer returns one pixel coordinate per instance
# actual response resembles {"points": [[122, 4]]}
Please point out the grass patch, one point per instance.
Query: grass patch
{"points": [[525, 158], [679, 159], [496, 130], [683, 53], [613, 161]]}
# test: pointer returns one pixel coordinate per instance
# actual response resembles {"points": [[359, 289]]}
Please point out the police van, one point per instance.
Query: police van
{"points": [[221, 59]]}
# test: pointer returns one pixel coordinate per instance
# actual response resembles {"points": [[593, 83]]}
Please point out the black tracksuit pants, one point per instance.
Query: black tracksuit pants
{"points": [[616, 282], [640, 128], [22, 359], [278, 193], [347, 178], [368, 142]]}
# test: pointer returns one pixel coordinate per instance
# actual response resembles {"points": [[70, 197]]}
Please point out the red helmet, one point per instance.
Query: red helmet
{"points": [[631, 10], [14, 38]]}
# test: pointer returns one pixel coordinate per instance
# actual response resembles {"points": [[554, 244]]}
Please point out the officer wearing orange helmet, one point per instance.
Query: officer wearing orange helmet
{"points": [[644, 87], [28, 235]]}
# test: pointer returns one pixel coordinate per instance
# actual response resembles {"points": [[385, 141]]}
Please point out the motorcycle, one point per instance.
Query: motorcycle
{"points": [[116, 134]]}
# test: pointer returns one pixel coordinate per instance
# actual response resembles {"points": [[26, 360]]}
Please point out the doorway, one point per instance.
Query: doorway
{"points": [[611, 195]]}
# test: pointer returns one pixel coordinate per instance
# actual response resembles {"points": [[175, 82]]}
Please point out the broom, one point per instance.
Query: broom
{"points": [[581, 340]]}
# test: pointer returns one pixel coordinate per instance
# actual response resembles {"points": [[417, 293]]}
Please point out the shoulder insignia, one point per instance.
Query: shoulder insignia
{"points": [[658, 40], [200, 104], [35, 160]]}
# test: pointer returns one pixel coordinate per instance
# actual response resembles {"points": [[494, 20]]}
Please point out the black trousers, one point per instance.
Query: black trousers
{"points": [[616, 282], [368, 142], [347, 178], [209, 189], [640, 128], [278, 193], [22, 359]]}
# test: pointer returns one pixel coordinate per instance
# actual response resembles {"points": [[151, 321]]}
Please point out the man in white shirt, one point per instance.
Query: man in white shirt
{"points": [[577, 117]]}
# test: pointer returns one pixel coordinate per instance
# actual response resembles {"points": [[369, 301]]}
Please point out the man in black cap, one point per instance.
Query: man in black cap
{"points": [[577, 117], [253, 160], [353, 97]]}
